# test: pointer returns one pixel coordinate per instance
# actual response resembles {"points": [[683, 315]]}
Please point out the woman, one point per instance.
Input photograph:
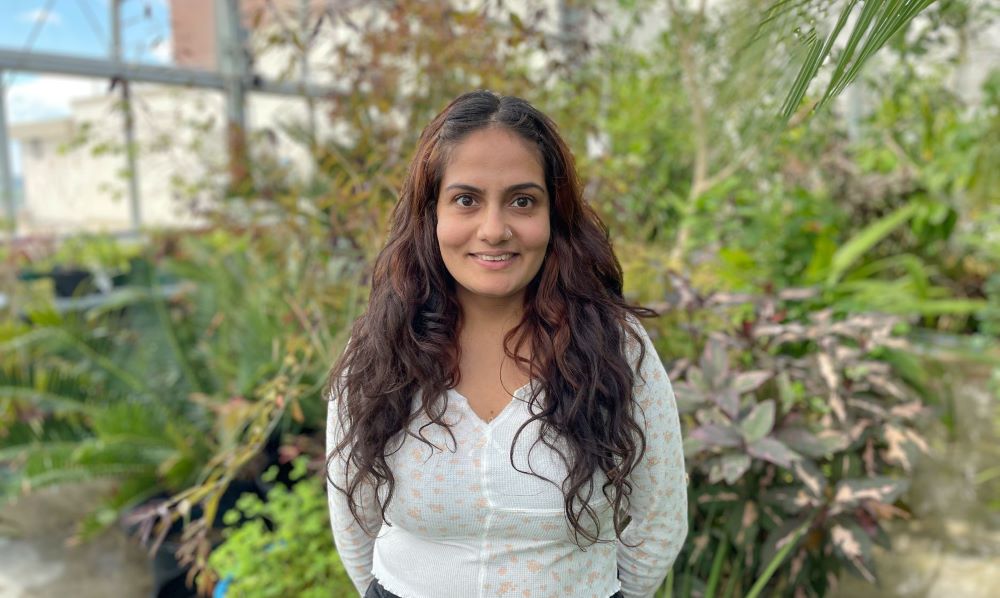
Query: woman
{"points": [[500, 424]]}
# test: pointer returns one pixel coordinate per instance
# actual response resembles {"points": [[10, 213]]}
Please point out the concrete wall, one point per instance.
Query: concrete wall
{"points": [[74, 168]]}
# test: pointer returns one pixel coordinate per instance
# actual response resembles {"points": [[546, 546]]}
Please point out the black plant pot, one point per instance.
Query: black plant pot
{"points": [[169, 576], [120, 280], [71, 282]]}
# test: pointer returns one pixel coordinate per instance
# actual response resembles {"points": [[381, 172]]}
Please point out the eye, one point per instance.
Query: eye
{"points": [[466, 201], [523, 201]]}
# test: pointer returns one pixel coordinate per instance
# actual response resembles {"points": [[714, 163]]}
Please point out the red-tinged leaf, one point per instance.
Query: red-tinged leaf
{"points": [[908, 410], [789, 531], [699, 543], [901, 449], [887, 386], [918, 440], [829, 373], [745, 382], [854, 546], [837, 406], [689, 397], [791, 500], [714, 435], [810, 475], [858, 429], [797, 294], [771, 449], [748, 523], [728, 401], [759, 422], [717, 495], [723, 298], [869, 407], [692, 446], [715, 363], [729, 467], [812, 444], [850, 492], [696, 379]]}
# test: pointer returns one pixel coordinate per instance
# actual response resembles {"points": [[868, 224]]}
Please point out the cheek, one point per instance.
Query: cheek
{"points": [[538, 234], [448, 234]]}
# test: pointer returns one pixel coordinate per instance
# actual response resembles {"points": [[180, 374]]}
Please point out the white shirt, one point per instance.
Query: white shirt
{"points": [[466, 524]]}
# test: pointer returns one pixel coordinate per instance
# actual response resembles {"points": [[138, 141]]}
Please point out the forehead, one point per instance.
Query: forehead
{"points": [[493, 156]]}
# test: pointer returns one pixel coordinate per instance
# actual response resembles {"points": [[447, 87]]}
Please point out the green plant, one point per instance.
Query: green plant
{"points": [[281, 546], [174, 391], [73, 410], [801, 432]]}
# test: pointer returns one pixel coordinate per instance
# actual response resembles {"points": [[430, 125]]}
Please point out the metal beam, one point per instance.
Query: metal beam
{"points": [[62, 64], [6, 171], [231, 60], [304, 74], [128, 116]]}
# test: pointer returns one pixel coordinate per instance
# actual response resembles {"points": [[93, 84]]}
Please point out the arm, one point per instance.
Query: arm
{"points": [[354, 546], [659, 519]]}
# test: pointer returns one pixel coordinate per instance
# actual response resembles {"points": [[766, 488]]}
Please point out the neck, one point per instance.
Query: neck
{"points": [[484, 313]]}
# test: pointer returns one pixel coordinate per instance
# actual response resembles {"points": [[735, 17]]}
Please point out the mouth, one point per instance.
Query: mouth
{"points": [[494, 257]]}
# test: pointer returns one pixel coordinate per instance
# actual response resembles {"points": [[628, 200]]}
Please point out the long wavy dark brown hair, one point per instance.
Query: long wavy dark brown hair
{"points": [[575, 322]]}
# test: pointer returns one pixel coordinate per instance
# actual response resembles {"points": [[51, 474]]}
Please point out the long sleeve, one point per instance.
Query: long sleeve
{"points": [[354, 546], [659, 520]]}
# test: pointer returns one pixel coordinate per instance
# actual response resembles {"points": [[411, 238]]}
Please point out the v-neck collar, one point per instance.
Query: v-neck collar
{"points": [[517, 396]]}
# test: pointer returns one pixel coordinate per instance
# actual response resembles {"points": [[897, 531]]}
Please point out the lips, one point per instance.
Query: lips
{"points": [[495, 260], [489, 257]]}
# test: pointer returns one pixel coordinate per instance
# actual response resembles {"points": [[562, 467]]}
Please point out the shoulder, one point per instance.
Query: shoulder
{"points": [[639, 349]]}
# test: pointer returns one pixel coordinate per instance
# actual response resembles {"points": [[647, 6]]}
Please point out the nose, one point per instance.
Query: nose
{"points": [[493, 226]]}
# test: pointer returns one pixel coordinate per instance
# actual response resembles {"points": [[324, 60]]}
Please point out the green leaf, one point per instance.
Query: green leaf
{"points": [[877, 22], [866, 239], [812, 444], [809, 474], [850, 492], [715, 364], [759, 422], [780, 543], [728, 401], [772, 450], [717, 436], [730, 468], [791, 499], [854, 546], [745, 382], [689, 397]]}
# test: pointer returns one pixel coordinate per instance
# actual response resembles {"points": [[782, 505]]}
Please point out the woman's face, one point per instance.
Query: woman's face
{"points": [[493, 216]]}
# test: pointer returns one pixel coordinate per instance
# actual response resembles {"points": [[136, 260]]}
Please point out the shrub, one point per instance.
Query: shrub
{"points": [[281, 546], [800, 436]]}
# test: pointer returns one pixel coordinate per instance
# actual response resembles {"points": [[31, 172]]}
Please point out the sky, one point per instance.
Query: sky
{"points": [[79, 28]]}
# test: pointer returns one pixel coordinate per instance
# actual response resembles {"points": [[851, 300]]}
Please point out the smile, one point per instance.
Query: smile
{"points": [[495, 261], [503, 257]]}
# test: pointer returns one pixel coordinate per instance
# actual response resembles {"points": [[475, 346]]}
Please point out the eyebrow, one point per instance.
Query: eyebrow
{"points": [[511, 189]]}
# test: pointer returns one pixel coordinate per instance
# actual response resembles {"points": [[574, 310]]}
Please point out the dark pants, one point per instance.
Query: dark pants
{"points": [[375, 590]]}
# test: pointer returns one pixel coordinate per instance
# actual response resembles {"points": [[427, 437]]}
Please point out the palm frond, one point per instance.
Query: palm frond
{"points": [[875, 24]]}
